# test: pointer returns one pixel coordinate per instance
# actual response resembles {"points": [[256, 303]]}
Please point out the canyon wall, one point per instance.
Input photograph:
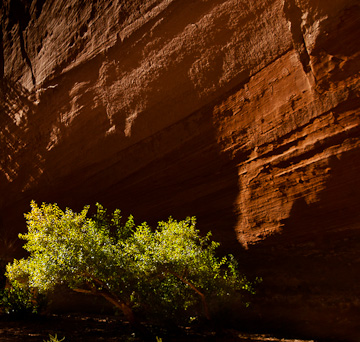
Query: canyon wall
{"points": [[243, 113]]}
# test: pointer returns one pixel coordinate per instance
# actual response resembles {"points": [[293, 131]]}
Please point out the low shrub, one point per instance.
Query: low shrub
{"points": [[20, 300], [168, 272]]}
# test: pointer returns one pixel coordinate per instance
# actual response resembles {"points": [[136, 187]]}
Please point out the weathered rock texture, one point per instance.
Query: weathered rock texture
{"points": [[243, 113]]}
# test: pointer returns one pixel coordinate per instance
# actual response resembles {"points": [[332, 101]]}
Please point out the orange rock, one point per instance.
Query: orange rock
{"points": [[243, 113]]}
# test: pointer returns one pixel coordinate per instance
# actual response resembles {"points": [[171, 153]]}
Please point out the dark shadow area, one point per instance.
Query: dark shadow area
{"points": [[193, 178], [14, 99], [37, 6], [1, 53], [97, 327], [311, 270], [177, 172], [19, 13], [294, 15]]}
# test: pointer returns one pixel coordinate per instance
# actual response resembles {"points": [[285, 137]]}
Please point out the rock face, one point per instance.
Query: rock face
{"points": [[243, 113]]}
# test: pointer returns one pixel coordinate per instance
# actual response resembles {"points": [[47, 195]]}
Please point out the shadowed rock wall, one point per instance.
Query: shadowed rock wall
{"points": [[243, 113]]}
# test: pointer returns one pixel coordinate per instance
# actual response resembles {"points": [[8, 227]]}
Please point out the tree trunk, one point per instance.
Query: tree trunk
{"points": [[126, 309], [202, 296]]}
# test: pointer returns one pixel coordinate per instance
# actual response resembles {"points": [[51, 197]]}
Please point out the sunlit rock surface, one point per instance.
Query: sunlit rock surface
{"points": [[243, 113]]}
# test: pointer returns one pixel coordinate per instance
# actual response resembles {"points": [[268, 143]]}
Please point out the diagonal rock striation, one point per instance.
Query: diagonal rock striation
{"points": [[243, 113]]}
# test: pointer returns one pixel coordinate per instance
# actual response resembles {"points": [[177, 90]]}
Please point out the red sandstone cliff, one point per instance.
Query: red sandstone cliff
{"points": [[243, 113]]}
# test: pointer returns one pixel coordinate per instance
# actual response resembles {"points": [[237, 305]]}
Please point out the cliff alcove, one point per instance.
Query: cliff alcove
{"points": [[242, 113]]}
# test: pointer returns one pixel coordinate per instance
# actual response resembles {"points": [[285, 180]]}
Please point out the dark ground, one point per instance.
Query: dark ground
{"points": [[80, 328]]}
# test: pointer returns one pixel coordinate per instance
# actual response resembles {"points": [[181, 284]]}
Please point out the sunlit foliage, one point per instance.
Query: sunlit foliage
{"points": [[171, 270]]}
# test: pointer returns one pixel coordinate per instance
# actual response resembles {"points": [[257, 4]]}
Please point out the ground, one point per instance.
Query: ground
{"points": [[80, 328]]}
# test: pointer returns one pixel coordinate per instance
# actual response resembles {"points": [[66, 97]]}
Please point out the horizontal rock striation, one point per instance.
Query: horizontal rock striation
{"points": [[243, 113]]}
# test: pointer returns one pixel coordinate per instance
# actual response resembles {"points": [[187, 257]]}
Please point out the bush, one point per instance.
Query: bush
{"points": [[170, 271], [20, 300]]}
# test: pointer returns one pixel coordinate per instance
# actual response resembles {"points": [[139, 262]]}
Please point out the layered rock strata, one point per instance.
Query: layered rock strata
{"points": [[243, 113]]}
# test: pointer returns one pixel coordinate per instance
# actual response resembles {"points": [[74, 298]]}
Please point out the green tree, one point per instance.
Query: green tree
{"points": [[169, 270]]}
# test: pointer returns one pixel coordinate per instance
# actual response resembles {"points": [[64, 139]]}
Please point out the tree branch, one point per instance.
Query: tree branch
{"points": [[84, 291], [109, 296], [203, 299]]}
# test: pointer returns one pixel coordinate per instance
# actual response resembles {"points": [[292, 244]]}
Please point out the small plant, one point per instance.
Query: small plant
{"points": [[168, 272], [20, 300], [54, 339]]}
